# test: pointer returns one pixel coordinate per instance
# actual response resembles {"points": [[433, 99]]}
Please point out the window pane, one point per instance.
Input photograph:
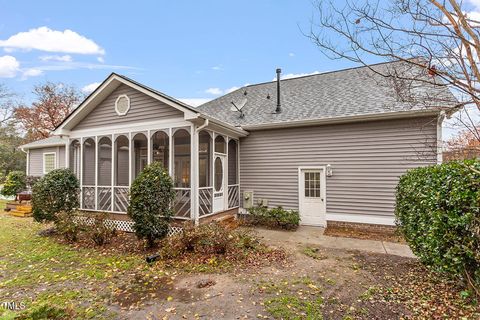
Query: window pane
{"points": [[105, 162], [140, 153], [121, 161], [75, 158], [49, 162], [89, 162], [232, 162], [220, 144], [181, 148], [218, 174], [204, 155], [160, 148]]}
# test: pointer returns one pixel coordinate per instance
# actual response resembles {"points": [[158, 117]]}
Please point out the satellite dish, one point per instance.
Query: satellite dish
{"points": [[238, 106]]}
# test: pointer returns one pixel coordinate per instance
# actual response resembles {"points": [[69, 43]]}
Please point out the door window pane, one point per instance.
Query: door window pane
{"points": [[312, 184], [218, 174]]}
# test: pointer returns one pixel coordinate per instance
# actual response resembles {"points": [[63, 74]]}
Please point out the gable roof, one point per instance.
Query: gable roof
{"points": [[104, 89], [111, 83], [355, 93]]}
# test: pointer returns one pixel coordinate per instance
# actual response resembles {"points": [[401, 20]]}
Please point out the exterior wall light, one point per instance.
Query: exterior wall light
{"points": [[329, 171]]}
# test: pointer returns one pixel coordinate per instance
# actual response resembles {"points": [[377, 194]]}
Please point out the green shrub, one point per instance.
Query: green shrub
{"points": [[56, 192], [68, 226], [212, 239], [275, 217], [151, 196], [14, 183], [437, 210], [99, 230]]}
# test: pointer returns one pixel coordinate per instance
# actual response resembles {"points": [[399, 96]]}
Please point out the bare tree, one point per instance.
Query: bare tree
{"points": [[436, 43], [7, 105], [54, 103]]}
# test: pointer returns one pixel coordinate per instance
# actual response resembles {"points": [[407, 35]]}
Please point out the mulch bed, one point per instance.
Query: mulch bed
{"points": [[364, 234]]}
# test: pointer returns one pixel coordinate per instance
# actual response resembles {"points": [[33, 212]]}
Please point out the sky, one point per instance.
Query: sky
{"points": [[191, 50]]}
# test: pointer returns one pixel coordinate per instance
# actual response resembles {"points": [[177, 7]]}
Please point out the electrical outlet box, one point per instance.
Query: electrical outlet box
{"points": [[248, 199]]}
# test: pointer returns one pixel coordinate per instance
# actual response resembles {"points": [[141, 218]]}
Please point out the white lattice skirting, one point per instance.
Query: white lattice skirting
{"points": [[127, 226]]}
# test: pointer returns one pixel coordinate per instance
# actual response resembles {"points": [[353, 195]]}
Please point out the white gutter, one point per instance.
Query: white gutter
{"points": [[345, 119]]}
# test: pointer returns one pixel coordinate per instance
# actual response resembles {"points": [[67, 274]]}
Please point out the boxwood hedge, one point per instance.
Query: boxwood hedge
{"points": [[151, 197], [437, 210]]}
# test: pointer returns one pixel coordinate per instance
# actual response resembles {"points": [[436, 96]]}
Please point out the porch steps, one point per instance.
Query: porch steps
{"points": [[20, 210]]}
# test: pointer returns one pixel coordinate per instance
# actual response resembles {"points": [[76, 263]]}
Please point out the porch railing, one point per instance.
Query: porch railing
{"points": [[182, 203], [233, 196], [205, 201]]}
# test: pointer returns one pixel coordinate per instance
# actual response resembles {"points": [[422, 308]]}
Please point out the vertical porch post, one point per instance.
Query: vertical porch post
{"points": [[112, 198], [170, 152], [149, 147], [96, 172], [194, 175], [130, 155], [81, 172], [67, 154]]}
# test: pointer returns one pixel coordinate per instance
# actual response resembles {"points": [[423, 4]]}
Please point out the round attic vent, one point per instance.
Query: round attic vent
{"points": [[122, 105]]}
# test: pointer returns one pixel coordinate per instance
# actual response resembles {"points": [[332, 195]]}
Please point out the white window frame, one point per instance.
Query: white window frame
{"points": [[116, 102], [54, 161]]}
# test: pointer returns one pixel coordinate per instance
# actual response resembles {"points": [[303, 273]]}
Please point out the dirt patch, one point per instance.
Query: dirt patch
{"points": [[364, 234]]}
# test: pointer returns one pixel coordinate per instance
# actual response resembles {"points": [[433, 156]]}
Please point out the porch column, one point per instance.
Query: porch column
{"points": [[67, 154], [170, 152], [112, 198], [81, 172], [130, 155], [149, 147], [96, 172], [194, 175]]}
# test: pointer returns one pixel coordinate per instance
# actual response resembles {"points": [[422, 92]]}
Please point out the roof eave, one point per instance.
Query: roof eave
{"points": [[344, 119]]}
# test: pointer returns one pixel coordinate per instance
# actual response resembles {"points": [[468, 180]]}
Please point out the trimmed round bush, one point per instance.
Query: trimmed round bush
{"points": [[56, 192], [438, 211], [14, 183], [151, 197]]}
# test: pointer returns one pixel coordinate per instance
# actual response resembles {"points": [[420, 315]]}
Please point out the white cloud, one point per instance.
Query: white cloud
{"points": [[46, 39], [217, 68], [100, 59], [295, 75], [64, 58], [90, 87], [9, 66], [32, 72], [214, 91], [194, 102], [291, 54], [231, 89]]}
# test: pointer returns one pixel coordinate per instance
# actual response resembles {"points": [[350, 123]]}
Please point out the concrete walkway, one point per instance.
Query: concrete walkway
{"points": [[314, 236]]}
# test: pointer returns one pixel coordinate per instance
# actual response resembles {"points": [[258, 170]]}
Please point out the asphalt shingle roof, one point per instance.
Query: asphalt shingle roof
{"points": [[350, 92], [51, 141]]}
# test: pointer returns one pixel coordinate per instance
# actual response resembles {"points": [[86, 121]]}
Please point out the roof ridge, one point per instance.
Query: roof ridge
{"points": [[300, 77]]}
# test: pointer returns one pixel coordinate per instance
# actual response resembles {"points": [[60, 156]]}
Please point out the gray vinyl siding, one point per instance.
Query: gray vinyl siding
{"points": [[142, 108], [35, 161], [367, 159]]}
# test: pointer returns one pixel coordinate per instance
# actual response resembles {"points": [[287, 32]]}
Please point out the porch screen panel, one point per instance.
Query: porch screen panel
{"points": [[160, 148], [89, 162], [181, 149], [74, 164], [121, 161], [205, 161], [220, 144], [232, 162], [140, 154], [105, 162]]}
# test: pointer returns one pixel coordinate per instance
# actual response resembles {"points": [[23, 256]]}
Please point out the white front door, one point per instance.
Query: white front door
{"points": [[312, 196], [219, 183]]}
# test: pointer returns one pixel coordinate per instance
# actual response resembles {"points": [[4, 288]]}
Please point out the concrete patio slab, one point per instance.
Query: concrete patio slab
{"points": [[314, 236]]}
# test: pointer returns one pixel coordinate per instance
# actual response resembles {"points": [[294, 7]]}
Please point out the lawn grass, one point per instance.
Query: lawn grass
{"points": [[41, 268]]}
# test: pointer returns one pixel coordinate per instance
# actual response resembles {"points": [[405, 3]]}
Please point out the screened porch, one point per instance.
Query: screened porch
{"points": [[204, 166]]}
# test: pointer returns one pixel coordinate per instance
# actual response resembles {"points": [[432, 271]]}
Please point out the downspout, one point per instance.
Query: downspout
{"points": [[195, 176], [27, 161]]}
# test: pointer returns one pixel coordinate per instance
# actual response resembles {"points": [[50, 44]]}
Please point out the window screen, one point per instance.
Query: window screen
{"points": [[48, 162]]}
